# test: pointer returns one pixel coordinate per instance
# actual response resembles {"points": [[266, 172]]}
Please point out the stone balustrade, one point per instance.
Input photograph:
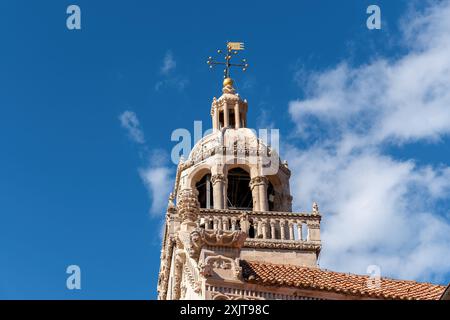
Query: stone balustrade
{"points": [[264, 225]]}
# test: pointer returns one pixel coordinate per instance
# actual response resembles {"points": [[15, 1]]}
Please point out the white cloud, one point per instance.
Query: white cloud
{"points": [[178, 82], [169, 63], [402, 100], [130, 122], [157, 178], [377, 209], [169, 77]]}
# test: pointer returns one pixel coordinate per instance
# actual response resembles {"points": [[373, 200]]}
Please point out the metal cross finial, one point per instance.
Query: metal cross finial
{"points": [[232, 49]]}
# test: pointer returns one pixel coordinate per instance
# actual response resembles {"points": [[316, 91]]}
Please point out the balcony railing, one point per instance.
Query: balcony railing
{"points": [[269, 226]]}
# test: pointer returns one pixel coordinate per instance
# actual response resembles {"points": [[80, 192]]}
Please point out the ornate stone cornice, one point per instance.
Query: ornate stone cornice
{"points": [[231, 239], [282, 244]]}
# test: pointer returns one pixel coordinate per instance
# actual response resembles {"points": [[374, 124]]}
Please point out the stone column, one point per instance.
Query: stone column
{"points": [[244, 223], [282, 229], [218, 182], [225, 223], [272, 229], [233, 224], [299, 230], [226, 121], [257, 226], [291, 231], [215, 224], [258, 185], [263, 201], [237, 118], [264, 228], [254, 187], [217, 119]]}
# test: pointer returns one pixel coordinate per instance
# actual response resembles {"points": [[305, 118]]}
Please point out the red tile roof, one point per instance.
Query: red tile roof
{"points": [[330, 281]]}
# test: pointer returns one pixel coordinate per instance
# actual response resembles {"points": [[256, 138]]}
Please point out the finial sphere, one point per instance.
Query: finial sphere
{"points": [[227, 82]]}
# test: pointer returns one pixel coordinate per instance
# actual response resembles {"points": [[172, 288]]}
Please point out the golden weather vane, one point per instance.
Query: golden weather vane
{"points": [[232, 49]]}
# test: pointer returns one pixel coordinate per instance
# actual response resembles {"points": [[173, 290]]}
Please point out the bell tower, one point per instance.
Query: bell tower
{"points": [[230, 111], [231, 203]]}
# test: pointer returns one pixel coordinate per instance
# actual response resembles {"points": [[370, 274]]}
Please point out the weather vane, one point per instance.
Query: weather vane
{"points": [[232, 49]]}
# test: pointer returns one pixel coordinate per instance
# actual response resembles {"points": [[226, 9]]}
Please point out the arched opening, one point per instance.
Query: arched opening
{"points": [[251, 229], [241, 118], [271, 196], [205, 193], [305, 231], [231, 119], [239, 195], [221, 120]]}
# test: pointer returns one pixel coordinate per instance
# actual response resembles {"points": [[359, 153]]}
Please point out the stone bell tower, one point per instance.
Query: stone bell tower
{"points": [[231, 204]]}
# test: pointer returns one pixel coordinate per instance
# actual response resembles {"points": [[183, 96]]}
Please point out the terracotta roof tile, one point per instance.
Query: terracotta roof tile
{"points": [[319, 279]]}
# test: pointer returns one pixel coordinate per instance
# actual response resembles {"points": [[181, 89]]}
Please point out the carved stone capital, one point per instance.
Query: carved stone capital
{"points": [[257, 181], [218, 178]]}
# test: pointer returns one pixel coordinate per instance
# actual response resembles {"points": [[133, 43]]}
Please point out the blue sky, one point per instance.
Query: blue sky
{"points": [[80, 183]]}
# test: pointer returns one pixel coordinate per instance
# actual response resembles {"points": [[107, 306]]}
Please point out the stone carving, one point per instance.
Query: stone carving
{"points": [[256, 181], [170, 205], [196, 243], [273, 244], [200, 237], [315, 208], [188, 206], [218, 178], [233, 239], [212, 263], [178, 274]]}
